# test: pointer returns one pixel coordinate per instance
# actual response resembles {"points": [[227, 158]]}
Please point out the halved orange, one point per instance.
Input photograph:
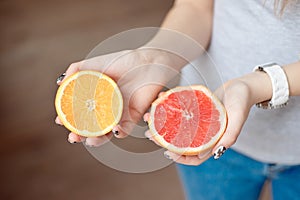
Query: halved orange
{"points": [[187, 120], [89, 103]]}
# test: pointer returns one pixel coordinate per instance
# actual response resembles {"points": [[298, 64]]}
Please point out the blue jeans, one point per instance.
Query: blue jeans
{"points": [[238, 177]]}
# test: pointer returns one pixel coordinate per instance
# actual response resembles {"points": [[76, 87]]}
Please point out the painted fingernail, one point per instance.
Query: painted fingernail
{"points": [[60, 78], [71, 142], [115, 132], [146, 118], [219, 152], [167, 155]]}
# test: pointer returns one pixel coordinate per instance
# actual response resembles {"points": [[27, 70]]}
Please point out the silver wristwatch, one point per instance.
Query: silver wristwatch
{"points": [[280, 86]]}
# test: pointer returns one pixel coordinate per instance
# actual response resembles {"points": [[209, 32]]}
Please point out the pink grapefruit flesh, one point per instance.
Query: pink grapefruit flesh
{"points": [[187, 120]]}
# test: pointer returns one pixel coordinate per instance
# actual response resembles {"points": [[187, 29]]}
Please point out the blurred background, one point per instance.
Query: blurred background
{"points": [[39, 39]]}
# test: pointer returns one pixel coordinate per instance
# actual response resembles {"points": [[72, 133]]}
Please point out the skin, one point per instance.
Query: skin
{"points": [[237, 95]]}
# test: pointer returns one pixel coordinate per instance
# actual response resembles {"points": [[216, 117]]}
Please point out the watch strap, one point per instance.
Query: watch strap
{"points": [[280, 87]]}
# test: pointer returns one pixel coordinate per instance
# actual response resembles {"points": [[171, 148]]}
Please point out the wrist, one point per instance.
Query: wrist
{"points": [[156, 66], [260, 86], [162, 57]]}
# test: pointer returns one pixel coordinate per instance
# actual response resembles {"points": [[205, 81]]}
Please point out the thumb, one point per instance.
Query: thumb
{"points": [[136, 103], [234, 127], [74, 67], [99, 63], [129, 120]]}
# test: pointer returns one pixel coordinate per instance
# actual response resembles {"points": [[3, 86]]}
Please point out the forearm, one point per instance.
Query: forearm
{"points": [[261, 87], [292, 72], [192, 18], [186, 31]]}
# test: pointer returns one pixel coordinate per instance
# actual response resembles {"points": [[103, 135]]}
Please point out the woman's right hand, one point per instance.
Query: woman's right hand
{"points": [[140, 75]]}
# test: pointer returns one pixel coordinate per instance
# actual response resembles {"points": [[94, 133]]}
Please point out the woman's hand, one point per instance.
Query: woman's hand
{"points": [[236, 97], [140, 75]]}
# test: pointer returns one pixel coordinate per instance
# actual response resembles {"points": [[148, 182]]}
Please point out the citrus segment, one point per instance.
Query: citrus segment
{"points": [[84, 103], [67, 103], [106, 103], [89, 103], [187, 120]]}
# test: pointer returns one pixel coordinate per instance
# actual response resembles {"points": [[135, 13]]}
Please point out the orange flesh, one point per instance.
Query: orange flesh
{"points": [[90, 103], [67, 103]]}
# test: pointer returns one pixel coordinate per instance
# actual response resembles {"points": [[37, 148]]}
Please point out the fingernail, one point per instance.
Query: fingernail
{"points": [[60, 78], [56, 122], [147, 135], [167, 155], [145, 120], [115, 132], [219, 152], [71, 142], [146, 117]]}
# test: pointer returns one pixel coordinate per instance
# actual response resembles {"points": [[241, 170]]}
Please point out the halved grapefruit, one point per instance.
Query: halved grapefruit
{"points": [[89, 103], [187, 120]]}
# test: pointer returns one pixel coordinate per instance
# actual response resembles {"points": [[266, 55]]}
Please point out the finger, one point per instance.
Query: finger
{"points": [[98, 141], [161, 94], [119, 132], [150, 137], [204, 155], [146, 117], [137, 100], [73, 68], [130, 117], [74, 138], [58, 121], [235, 124], [98, 63], [60, 78], [124, 128], [187, 160]]}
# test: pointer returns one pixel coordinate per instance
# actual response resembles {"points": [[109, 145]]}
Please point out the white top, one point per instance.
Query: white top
{"points": [[246, 34]]}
